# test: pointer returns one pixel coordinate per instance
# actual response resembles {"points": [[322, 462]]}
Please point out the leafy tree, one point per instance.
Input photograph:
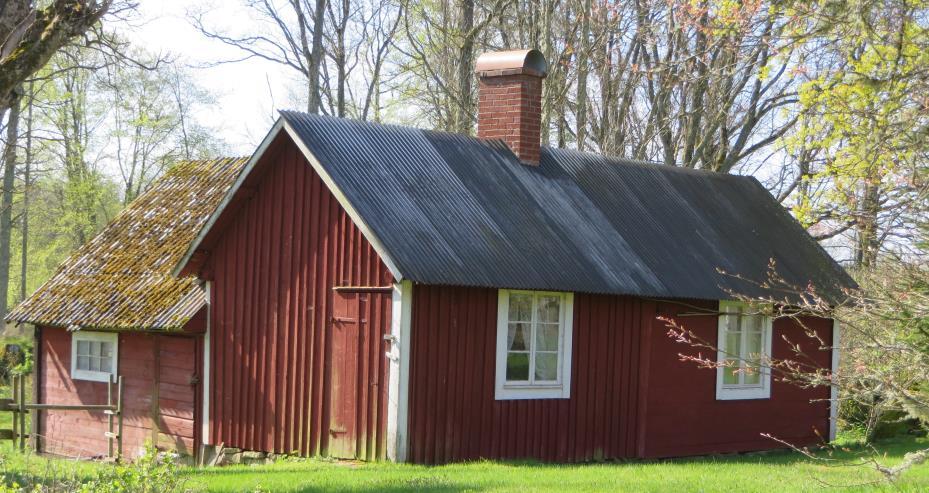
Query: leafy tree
{"points": [[866, 122]]}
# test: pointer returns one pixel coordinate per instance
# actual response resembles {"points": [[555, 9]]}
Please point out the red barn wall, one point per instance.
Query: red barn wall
{"points": [[684, 417], [453, 413], [274, 266], [157, 390], [631, 396]]}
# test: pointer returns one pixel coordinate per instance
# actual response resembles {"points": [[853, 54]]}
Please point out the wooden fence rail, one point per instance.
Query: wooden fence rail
{"points": [[19, 407]]}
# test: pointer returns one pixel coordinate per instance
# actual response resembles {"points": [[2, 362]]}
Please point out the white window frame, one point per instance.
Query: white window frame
{"points": [[93, 376], [511, 390], [762, 390]]}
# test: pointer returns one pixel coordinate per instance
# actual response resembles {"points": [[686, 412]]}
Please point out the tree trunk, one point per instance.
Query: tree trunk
{"points": [[866, 232], [582, 70], [27, 182], [6, 202], [465, 76], [313, 101]]}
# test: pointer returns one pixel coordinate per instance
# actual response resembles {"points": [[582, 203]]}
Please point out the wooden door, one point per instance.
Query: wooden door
{"points": [[176, 392], [346, 340]]}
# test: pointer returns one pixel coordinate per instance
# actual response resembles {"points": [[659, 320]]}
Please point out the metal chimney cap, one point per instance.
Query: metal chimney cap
{"points": [[513, 62]]}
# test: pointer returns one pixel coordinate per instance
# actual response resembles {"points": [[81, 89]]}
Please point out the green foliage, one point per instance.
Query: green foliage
{"points": [[15, 362], [103, 130], [154, 472], [863, 116]]}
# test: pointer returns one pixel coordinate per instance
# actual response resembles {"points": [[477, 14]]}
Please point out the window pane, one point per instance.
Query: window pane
{"points": [[517, 338], [732, 321], [83, 348], [94, 363], [95, 348], [517, 367], [546, 337], [733, 344], [753, 345], [546, 366], [83, 363], [520, 307], [105, 348], [106, 365], [752, 322], [730, 377], [549, 307], [751, 376]]}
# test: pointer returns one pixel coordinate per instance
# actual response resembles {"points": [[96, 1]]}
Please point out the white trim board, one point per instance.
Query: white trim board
{"points": [[247, 170], [279, 125], [344, 202], [834, 389], [399, 374], [205, 388]]}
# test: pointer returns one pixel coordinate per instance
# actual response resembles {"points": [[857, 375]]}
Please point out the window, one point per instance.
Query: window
{"points": [[93, 355], [744, 345], [534, 345]]}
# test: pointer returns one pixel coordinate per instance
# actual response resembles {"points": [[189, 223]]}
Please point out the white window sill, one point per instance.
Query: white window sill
{"points": [[91, 376], [737, 394], [517, 392]]}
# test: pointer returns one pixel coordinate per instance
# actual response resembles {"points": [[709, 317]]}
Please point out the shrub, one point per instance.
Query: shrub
{"points": [[15, 358], [154, 472]]}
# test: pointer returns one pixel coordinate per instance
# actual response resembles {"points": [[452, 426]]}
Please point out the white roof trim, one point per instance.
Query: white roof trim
{"points": [[344, 202], [279, 125]]}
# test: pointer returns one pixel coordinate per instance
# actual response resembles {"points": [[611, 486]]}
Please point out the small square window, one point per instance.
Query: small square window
{"points": [[93, 355], [744, 347], [534, 345]]}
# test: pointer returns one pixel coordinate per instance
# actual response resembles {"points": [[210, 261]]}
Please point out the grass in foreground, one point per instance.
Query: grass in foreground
{"points": [[776, 471]]}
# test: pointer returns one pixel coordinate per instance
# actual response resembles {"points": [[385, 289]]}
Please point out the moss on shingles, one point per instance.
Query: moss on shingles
{"points": [[122, 278]]}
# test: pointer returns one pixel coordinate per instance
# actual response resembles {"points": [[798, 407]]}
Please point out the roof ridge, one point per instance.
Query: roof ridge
{"points": [[611, 159]]}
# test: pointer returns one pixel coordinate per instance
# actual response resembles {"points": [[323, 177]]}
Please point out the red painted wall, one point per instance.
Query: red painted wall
{"points": [[453, 413], [684, 417], [631, 396], [285, 246], [149, 363]]}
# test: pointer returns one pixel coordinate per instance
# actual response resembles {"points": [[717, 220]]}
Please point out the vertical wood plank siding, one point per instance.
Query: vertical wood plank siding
{"points": [[274, 268], [797, 415], [453, 413], [159, 401], [631, 395]]}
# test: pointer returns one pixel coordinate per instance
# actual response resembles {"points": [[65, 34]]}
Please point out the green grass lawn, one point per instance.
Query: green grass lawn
{"points": [[769, 473]]}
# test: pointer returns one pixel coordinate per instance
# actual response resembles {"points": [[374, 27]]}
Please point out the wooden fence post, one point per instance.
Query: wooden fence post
{"points": [[22, 413], [119, 418], [15, 406], [109, 417]]}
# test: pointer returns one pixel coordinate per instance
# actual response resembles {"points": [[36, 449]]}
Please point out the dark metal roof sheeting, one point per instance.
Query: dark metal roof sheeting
{"points": [[455, 210]]}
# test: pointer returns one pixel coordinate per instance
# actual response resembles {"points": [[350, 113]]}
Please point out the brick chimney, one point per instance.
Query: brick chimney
{"points": [[510, 105]]}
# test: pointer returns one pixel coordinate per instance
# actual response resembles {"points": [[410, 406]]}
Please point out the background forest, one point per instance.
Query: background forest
{"points": [[825, 103]]}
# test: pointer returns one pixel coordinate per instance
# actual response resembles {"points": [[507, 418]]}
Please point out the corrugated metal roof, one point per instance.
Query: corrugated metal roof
{"points": [[122, 278], [456, 210]]}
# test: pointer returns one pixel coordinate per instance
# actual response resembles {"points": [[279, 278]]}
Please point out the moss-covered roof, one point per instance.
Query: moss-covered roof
{"points": [[122, 278]]}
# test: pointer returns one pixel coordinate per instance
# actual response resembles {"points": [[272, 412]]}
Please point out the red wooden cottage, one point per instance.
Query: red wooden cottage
{"points": [[373, 291]]}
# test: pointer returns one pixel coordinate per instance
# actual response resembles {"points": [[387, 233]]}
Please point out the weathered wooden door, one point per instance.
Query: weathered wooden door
{"points": [[346, 336], [176, 393]]}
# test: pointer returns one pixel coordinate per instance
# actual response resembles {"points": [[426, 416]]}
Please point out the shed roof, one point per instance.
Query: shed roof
{"points": [[456, 210], [122, 278]]}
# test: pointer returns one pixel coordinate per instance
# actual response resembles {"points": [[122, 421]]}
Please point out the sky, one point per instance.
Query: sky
{"points": [[247, 92]]}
